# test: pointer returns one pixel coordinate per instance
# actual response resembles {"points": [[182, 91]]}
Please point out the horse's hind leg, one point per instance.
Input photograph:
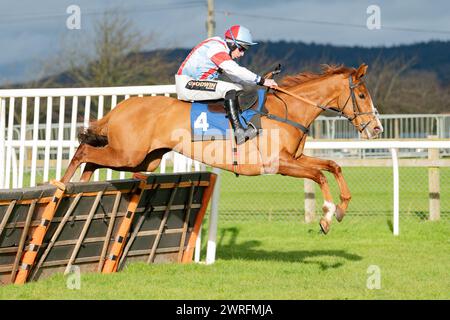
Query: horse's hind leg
{"points": [[153, 160], [149, 164], [97, 157], [111, 158], [88, 172], [335, 169], [74, 164]]}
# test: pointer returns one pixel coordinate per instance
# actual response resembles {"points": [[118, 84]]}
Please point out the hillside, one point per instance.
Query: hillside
{"points": [[431, 56]]}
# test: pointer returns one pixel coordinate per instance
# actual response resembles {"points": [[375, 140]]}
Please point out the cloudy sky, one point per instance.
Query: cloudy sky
{"points": [[31, 31]]}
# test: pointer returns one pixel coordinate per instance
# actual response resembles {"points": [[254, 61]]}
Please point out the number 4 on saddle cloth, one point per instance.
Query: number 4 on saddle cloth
{"points": [[209, 121]]}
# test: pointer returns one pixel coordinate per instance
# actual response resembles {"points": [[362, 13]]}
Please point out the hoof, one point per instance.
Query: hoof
{"points": [[324, 225], [340, 213]]}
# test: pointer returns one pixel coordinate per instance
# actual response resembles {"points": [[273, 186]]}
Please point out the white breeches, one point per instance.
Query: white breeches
{"points": [[189, 89]]}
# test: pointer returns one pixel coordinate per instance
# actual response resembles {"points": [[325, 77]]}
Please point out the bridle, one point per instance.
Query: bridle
{"points": [[356, 109], [340, 111]]}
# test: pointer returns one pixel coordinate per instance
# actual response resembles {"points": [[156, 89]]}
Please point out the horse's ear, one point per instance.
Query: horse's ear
{"points": [[361, 71]]}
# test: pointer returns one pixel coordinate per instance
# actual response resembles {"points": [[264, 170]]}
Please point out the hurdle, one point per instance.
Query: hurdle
{"points": [[101, 226]]}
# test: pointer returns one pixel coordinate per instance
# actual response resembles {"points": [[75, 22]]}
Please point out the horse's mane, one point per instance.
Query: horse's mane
{"points": [[327, 70]]}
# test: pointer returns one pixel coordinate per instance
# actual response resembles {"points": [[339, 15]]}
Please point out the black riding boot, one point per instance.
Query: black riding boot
{"points": [[232, 109]]}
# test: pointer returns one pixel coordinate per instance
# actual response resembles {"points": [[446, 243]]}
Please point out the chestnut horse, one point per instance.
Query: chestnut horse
{"points": [[139, 131]]}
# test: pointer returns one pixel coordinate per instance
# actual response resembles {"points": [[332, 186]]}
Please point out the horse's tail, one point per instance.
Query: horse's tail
{"points": [[96, 134]]}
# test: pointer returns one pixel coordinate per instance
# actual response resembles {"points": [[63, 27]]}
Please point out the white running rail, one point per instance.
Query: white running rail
{"points": [[21, 149]]}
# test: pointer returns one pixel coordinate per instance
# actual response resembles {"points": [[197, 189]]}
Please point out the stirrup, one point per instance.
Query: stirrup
{"points": [[242, 135], [239, 135]]}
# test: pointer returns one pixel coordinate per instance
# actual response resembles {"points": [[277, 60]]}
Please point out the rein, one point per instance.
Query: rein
{"points": [[285, 119], [296, 96], [340, 111]]}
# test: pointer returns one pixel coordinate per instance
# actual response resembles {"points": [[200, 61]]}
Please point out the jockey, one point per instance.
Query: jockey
{"points": [[196, 77]]}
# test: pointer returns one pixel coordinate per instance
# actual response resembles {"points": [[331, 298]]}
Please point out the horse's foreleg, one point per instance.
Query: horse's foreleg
{"points": [[335, 169], [291, 167]]}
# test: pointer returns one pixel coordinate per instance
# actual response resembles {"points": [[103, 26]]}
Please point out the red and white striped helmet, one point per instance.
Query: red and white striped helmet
{"points": [[240, 36]]}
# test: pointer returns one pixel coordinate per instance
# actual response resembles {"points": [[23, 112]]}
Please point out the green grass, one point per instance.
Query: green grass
{"points": [[282, 260]]}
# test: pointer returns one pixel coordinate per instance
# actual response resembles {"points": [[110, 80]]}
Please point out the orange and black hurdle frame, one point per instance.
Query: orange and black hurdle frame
{"points": [[101, 226]]}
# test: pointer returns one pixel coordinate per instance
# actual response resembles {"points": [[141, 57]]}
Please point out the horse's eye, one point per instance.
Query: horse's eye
{"points": [[362, 96]]}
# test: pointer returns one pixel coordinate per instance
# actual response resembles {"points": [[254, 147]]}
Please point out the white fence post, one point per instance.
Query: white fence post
{"points": [[433, 186], [48, 132], [34, 151], [15, 170], [213, 221], [23, 128], [9, 148], [59, 152], [198, 245], [396, 191], [2, 141]]}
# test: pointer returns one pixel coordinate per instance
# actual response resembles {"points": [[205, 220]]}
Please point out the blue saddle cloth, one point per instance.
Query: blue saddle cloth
{"points": [[208, 125]]}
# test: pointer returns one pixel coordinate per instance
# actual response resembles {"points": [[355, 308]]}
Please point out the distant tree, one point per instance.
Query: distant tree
{"points": [[397, 88], [418, 92], [111, 58]]}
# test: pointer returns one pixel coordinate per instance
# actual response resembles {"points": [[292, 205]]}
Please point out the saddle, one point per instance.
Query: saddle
{"points": [[209, 121]]}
